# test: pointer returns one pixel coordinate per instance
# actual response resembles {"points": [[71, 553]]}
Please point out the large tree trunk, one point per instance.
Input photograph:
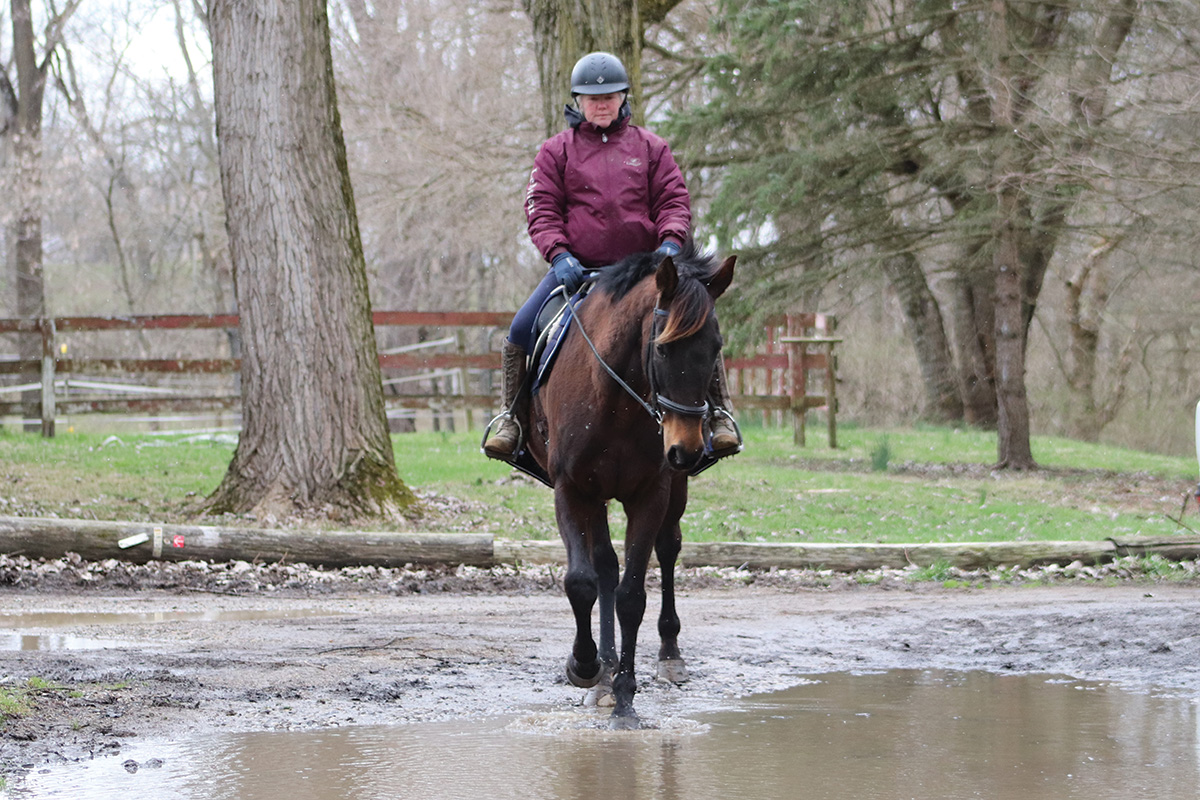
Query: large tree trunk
{"points": [[1087, 293], [314, 429], [923, 318], [564, 31], [1019, 254], [1027, 236], [26, 138], [1013, 432], [975, 340]]}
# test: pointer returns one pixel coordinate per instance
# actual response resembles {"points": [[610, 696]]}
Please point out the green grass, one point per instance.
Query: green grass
{"points": [[898, 485], [18, 702], [13, 704]]}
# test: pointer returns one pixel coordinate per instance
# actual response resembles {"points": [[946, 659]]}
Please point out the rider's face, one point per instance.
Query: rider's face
{"points": [[600, 109]]}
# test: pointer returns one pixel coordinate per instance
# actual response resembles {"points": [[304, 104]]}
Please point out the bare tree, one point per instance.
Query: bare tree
{"points": [[314, 428], [22, 126], [439, 101]]}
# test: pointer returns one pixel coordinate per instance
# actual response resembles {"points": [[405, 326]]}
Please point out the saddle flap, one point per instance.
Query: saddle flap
{"points": [[553, 322]]}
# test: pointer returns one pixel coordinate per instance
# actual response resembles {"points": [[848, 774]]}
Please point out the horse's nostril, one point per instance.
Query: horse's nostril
{"points": [[681, 458]]}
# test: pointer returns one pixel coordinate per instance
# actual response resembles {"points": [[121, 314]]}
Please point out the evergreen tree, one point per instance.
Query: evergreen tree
{"points": [[916, 138]]}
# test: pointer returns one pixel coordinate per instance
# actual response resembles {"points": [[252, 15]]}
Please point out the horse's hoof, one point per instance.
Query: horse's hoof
{"points": [[625, 722], [600, 696], [584, 678], [672, 670]]}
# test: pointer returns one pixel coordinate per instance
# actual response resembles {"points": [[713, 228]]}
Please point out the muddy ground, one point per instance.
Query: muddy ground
{"points": [[265, 648]]}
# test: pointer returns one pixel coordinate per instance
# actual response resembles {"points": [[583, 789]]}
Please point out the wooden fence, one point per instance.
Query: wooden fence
{"points": [[443, 361], [794, 372]]}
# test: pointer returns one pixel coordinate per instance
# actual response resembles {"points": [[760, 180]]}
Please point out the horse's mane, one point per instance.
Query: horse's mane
{"points": [[692, 303]]}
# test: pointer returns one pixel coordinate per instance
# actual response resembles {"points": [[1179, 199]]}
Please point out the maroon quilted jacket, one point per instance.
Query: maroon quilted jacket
{"points": [[605, 194]]}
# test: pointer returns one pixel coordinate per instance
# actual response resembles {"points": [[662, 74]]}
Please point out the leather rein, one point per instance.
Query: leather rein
{"points": [[658, 401]]}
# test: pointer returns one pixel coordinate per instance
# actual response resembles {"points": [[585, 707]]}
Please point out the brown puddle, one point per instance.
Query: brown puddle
{"points": [[903, 734], [24, 631]]}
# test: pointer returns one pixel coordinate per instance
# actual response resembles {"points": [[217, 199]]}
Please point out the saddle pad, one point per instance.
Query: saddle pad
{"points": [[550, 340]]}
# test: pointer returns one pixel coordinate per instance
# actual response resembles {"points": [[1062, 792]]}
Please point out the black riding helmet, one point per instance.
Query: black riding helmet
{"points": [[599, 73]]}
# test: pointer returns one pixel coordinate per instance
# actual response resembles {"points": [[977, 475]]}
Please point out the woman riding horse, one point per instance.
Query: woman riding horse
{"points": [[622, 417], [599, 191]]}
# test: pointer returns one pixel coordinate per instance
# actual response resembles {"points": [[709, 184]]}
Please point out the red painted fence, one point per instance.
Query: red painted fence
{"points": [[794, 371]]}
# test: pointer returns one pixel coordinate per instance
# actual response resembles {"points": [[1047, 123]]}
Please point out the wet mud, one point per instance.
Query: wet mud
{"points": [[175, 663]]}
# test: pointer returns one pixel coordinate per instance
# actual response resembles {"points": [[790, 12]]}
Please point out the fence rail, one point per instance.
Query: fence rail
{"points": [[798, 355]]}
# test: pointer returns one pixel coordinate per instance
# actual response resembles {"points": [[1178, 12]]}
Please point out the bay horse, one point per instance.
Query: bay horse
{"points": [[622, 417]]}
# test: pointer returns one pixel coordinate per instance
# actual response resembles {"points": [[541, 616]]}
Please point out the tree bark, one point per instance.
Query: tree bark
{"points": [[314, 428], [24, 129], [923, 318], [1087, 294], [1013, 434], [974, 338], [26, 138], [1032, 218], [1021, 250], [564, 31]]}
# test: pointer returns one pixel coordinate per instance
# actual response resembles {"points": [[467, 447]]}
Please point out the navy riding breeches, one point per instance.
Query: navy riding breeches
{"points": [[521, 332]]}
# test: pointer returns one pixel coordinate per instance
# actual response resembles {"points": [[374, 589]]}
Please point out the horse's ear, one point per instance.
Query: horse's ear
{"points": [[721, 279], [667, 278]]}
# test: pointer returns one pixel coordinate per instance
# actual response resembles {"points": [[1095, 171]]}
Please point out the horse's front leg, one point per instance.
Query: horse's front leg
{"points": [[644, 522], [671, 666], [581, 523]]}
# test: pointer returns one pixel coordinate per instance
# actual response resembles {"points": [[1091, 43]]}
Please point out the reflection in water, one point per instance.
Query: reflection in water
{"points": [[14, 628], [894, 735], [53, 641]]}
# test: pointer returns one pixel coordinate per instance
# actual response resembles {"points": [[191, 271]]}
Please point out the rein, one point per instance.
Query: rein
{"points": [[659, 401]]}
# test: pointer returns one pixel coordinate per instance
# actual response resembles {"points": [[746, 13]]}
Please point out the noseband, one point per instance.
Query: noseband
{"points": [[660, 400]]}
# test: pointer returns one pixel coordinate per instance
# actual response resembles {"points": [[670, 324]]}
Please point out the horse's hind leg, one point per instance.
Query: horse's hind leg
{"points": [[608, 572], [576, 526], [671, 666]]}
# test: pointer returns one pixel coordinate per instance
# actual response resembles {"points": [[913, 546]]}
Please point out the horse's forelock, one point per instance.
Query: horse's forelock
{"points": [[692, 304], [689, 311]]}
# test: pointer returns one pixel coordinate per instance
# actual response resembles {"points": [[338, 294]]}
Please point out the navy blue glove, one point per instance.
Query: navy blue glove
{"points": [[667, 248], [568, 272]]}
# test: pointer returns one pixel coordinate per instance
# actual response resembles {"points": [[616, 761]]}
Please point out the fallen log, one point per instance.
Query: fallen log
{"points": [[1172, 548], [37, 537], [854, 557]]}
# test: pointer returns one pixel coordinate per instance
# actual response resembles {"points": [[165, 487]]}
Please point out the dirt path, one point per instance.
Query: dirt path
{"points": [[262, 662]]}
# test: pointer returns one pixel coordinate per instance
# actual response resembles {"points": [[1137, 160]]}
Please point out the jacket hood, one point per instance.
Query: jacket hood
{"points": [[575, 117]]}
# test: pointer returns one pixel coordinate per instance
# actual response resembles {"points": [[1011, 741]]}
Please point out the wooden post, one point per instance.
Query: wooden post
{"points": [[811, 330], [48, 411], [831, 381], [798, 366]]}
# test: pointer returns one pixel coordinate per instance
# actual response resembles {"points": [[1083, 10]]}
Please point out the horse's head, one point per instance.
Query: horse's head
{"points": [[684, 346]]}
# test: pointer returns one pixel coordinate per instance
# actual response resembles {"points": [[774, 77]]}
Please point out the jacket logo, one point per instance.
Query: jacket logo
{"points": [[633, 162]]}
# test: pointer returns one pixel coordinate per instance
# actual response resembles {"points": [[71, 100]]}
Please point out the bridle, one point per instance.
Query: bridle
{"points": [[661, 400], [658, 401]]}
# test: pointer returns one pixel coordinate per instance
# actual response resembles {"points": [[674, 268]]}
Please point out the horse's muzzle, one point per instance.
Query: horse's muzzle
{"points": [[683, 441], [683, 459]]}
